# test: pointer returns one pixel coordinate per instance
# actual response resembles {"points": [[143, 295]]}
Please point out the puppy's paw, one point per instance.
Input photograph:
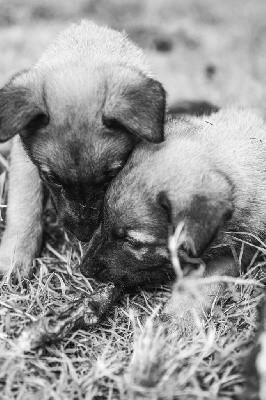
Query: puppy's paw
{"points": [[16, 259], [182, 314]]}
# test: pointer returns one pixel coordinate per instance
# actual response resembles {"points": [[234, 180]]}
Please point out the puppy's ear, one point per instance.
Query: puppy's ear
{"points": [[18, 112], [202, 218], [137, 103]]}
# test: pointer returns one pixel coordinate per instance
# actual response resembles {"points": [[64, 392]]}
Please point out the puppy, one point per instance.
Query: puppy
{"points": [[77, 114], [210, 175]]}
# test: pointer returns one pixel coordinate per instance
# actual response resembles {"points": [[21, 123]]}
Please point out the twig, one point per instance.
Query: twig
{"points": [[86, 310], [175, 241], [56, 253]]}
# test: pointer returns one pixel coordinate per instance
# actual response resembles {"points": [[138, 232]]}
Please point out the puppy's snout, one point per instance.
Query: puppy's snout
{"points": [[82, 232], [82, 218], [88, 223]]}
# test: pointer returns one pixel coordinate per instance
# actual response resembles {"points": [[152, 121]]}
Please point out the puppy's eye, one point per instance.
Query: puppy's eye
{"points": [[113, 172], [51, 180], [114, 124], [133, 243], [41, 120]]}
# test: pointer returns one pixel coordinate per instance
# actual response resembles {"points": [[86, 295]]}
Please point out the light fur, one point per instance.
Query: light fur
{"points": [[22, 238], [212, 172], [232, 141], [68, 79]]}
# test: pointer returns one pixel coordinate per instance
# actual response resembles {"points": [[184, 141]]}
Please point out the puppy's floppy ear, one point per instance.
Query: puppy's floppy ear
{"points": [[137, 102], [202, 218], [18, 112]]}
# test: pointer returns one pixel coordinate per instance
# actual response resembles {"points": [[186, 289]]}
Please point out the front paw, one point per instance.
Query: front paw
{"points": [[183, 314], [16, 259]]}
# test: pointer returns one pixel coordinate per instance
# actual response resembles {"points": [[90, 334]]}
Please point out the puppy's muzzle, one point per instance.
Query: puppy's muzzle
{"points": [[82, 223], [83, 232]]}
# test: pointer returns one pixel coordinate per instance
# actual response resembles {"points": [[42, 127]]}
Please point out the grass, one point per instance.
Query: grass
{"points": [[133, 354]]}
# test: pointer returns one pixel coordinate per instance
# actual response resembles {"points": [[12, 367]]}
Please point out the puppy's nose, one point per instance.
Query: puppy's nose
{"points": [[83, 236], [84, 232]]}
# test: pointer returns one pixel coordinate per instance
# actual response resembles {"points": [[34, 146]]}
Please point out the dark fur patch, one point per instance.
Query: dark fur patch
{"points": [[203, 218], [17, 112], [165, 203], [141, 110], [109, 260], [38, 122]]}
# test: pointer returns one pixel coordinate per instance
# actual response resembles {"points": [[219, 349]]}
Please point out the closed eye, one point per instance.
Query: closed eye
{"points": [[113, 172], [51, 179], [107, 178], [120, 236], [134, 243], [139, 251], [114, 125]]}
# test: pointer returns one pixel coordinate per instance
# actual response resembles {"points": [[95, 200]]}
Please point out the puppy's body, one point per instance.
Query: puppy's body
{"points": [[79, 112], [210, 174]]}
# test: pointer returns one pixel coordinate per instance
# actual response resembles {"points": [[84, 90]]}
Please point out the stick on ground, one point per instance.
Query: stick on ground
{"points": [[54, 326]]}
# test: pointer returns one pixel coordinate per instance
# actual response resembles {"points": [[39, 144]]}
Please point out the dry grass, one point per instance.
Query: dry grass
{"points": [[132, 355]]}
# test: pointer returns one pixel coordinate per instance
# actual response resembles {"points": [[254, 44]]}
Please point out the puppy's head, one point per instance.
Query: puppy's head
{"points": [[131, 246], [78, 125]]}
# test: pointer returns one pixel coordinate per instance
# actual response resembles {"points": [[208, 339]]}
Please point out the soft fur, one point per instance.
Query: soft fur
{"points": [[79, 112], [210, 173]]}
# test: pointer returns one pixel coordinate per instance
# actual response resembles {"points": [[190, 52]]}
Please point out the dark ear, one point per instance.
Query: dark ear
{"points": [[202, 217], [137, 103], [17, 111]]}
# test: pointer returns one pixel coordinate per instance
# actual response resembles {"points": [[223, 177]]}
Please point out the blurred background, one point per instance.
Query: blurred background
{"points": [[212, 50]]}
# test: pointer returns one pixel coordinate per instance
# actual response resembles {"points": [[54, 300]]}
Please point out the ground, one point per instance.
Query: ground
{"points": [[210, 50]]}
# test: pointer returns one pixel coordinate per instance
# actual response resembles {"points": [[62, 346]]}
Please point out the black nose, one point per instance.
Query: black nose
{"points": [[83, 236], [84, 232]]}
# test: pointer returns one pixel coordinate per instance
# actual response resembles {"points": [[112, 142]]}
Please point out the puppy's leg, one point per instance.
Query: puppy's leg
{"points": [[22, 238], [185, 303], [219, 267]]}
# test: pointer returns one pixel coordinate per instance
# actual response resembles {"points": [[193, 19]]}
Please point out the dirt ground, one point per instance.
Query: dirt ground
{"points": [[212, 50]]}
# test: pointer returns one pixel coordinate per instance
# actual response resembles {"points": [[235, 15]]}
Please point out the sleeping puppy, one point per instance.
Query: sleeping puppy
{"points": [[209, 174], [77, 114]]}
